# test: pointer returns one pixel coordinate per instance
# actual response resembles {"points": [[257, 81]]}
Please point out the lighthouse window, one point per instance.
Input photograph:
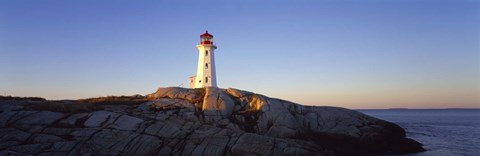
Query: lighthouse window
{"points": [[206, 53], [199, 81], [206, 79], [206, 65]]}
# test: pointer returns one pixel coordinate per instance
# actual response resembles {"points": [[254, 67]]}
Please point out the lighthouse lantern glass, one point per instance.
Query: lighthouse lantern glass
{"points": [[206, 40]]}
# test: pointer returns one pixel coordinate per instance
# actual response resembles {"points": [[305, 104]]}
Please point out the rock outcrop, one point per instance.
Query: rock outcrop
{"points": [[179, 121]]}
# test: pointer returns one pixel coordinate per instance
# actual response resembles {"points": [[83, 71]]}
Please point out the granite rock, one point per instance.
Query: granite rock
{"points": [[207, 121]]}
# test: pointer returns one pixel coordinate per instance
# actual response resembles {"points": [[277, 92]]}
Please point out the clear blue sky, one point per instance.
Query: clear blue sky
{"points": [[354, 54]]}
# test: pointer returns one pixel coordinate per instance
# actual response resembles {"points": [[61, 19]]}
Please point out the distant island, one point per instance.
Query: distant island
{"points": [[202, 121]]}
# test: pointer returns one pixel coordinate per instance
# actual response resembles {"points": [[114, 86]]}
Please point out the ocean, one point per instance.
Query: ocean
{"points": [[443, 132]]}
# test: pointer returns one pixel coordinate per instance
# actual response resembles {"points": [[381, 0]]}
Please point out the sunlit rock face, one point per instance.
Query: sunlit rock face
{"points": [[206, 121]]}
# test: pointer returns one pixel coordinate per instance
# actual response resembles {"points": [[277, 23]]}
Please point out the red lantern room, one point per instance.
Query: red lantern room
{"points": [[206, 38]]}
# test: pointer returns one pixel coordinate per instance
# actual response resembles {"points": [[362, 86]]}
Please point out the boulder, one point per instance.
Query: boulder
{"points": [[176, 93], [126, 122], [217, 104], [100, 118], [72, 120]]}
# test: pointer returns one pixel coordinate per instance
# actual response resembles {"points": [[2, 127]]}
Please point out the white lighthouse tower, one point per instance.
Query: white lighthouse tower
{"points": [[206, 76]]}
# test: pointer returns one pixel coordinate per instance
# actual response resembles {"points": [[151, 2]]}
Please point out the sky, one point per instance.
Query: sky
{"points": [[347, 53]]}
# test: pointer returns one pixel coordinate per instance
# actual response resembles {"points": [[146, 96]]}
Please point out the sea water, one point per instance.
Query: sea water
{"points": [[443, 132]]}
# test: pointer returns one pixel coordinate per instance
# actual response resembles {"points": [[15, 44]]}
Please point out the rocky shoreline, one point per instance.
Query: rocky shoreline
{"points": [[180, 121]]}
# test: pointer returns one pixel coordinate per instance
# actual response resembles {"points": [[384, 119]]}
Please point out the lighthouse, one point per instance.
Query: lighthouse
{"points": [[206, 76]]}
